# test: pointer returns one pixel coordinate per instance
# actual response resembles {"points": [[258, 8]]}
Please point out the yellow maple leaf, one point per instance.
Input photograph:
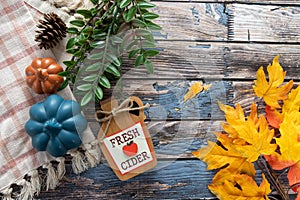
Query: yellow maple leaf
{"points": [[292, 103], [216, 156], [195, 89], [272, 91], [259, 141], [247, 189], [253, 131], [288, 142]]}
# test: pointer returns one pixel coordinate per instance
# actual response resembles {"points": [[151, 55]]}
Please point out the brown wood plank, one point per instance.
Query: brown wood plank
{"points": [[190, 21], [264, 23], [215, 60], [180, 179], [275, 2], [166, 99]]}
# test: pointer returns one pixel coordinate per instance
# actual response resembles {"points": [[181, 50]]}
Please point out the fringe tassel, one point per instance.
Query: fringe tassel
{"points": [[35, 182], [78, 163], [61, 169], [7, 194], [92, 153], [52, 179]]}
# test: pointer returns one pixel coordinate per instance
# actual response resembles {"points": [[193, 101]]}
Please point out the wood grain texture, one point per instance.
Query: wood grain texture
{"points": [[190, 21], [268, 2], [264, 23], [215, 60]]}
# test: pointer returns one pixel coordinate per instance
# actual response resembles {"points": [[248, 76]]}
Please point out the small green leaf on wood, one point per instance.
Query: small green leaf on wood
{"points": [[150, 53], [71, 42], [128, 16], [104, 82], [85, 13], [113, 70], [140, 59], [153, 26], [86, 98], [90, 78], [77, 22], [124, 3], [145, 5], [69, 63], [64, 73], [149, 66], [94, 67], [113, 59], [96, 56], [98, 44], [72, 30], [150, 16], [98, 92], [84, 87], [133, 53], [63, 85]]}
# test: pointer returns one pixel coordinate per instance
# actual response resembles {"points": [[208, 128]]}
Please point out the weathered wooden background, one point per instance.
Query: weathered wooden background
{"points": [[222, 42]]}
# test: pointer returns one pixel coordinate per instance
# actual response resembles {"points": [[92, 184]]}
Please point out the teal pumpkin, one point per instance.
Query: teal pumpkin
{"points": [[55, 125]]}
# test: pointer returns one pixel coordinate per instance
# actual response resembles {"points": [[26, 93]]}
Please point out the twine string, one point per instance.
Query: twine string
{"points": [[125, 106]]}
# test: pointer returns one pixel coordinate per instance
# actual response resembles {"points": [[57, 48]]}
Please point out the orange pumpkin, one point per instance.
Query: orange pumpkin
{"points": [[42, 75]]}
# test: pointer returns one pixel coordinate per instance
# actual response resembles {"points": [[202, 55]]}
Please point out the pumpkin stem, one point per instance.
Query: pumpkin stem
{"points": [[42, 74], [52, 127]]}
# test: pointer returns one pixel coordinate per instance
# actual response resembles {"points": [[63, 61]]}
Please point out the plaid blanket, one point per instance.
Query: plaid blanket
{"points": [[17, 156]]}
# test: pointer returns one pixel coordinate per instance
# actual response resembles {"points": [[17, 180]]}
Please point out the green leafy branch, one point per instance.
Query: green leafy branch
{"points": [[105, 33]]}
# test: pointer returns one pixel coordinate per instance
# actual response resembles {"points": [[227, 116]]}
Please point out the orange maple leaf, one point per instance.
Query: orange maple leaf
{"points": [[243, 187], [272, 91]]}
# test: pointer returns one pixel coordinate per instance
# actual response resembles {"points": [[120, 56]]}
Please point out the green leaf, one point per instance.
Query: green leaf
{"points": [[78, 53], [87, 30], [94, 67], [71, 42], [104, 82], [98, 92], [149, 66], [98, 44], [145, 5], [77, 22], [86, 99], [63, 85], [150, 16], [128, 16], [90, 78], [113, 59], [85, 13], [99, 36], [150, 53], [84, 87], [138, 23], [124, 3], [113, 70], [142, 32], [148, 44], [72, 30], [64, 73], [153, 26], [71, 51], [69, 63], [140, 59], [96, 56], [95, 2], [133, 53]]}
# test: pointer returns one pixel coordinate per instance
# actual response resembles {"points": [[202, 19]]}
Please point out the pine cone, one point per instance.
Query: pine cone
{"points": [[51, 30]]}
